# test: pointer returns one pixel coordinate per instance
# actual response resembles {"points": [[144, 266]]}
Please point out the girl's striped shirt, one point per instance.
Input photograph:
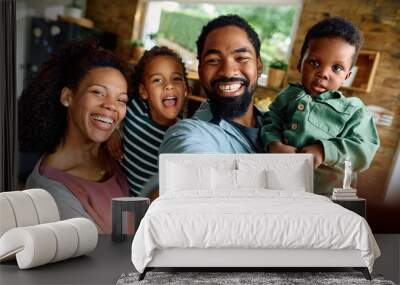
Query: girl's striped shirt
{"points": [[142, 138]]}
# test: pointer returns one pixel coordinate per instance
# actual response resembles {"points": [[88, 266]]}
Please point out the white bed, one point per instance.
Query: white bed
{"points": [[244, 210]]}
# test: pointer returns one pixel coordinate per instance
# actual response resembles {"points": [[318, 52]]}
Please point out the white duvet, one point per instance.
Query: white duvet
{"points": [[253, 218]]}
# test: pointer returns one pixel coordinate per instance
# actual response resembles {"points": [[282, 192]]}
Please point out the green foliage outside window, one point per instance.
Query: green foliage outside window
{"points": [[182, 28], [272, 23]]}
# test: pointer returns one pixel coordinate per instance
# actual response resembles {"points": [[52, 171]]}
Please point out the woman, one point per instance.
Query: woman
{"points": [[66, 113]]}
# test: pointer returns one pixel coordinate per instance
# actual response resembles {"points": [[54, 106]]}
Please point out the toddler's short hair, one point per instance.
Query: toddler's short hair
{"points": [[334, 27]]}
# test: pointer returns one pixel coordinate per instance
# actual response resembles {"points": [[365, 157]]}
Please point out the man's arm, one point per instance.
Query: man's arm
{"points": [[188, 136]]}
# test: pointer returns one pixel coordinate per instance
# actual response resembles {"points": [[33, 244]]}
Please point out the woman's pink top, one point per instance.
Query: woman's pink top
{"points": [[95, 197]]}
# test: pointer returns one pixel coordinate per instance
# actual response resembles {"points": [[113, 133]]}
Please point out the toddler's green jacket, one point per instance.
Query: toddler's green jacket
{"points": [[342, 125]]}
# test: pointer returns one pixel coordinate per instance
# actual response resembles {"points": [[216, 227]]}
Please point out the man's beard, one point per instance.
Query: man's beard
{"points": [[230, 107]]}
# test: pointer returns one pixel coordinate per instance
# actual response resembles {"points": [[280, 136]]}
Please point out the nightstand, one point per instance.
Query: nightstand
{"points": [[358, 206], [137, 205]]}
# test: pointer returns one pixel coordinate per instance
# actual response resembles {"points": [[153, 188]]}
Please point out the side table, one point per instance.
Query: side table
{"points": [[137, 205], [358, 205]]}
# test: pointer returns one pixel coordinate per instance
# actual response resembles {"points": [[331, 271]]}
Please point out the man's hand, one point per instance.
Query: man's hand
{"points": [[114, 146], [317, 150], [278, 147]]}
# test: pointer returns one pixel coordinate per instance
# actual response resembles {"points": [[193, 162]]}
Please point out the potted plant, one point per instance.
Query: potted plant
{"points": [[276, 73], [137, 49]]}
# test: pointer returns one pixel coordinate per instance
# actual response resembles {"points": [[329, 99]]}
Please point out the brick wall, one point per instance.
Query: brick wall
{"points": [[380, 23], [116, 16]]}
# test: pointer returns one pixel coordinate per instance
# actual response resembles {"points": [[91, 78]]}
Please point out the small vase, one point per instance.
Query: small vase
{"points": [[137, 53], [276, 77]]}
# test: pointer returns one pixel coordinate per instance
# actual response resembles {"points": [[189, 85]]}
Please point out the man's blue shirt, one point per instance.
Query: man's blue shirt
{"points": [[205, 134]]}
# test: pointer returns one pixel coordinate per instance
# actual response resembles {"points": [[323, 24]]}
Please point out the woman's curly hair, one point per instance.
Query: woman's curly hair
{"points": [[42, 119]]}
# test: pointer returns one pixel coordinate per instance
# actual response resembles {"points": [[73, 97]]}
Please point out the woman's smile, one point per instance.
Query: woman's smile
{"points": [[103, 122]]}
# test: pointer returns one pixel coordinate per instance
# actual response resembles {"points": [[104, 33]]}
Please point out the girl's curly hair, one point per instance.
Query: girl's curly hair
{"points": [[42, 119], [147, 57]]}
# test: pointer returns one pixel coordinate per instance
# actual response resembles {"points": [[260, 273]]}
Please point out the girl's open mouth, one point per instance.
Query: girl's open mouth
{"points": [[169, 101]]}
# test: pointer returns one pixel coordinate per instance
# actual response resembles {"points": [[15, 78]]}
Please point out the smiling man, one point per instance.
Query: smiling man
{"points": [[228, 50]]}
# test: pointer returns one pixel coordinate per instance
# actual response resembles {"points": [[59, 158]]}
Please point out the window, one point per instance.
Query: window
{"points": [[177, 24]]}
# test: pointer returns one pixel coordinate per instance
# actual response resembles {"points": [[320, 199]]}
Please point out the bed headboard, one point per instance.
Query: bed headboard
{"points": [[290, 170]]}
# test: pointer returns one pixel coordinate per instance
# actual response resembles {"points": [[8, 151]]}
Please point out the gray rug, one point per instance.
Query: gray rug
{"points": [[243, 278]]}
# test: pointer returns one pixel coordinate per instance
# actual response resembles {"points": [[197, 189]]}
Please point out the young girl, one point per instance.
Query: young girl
{"points": [[66, 113], [160, 88]]}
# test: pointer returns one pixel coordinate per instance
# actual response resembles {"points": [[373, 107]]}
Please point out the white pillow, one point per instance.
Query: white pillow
{"points": [[223, 179], [182, 177], [235, 179], [251, 178], [292, 179]]}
